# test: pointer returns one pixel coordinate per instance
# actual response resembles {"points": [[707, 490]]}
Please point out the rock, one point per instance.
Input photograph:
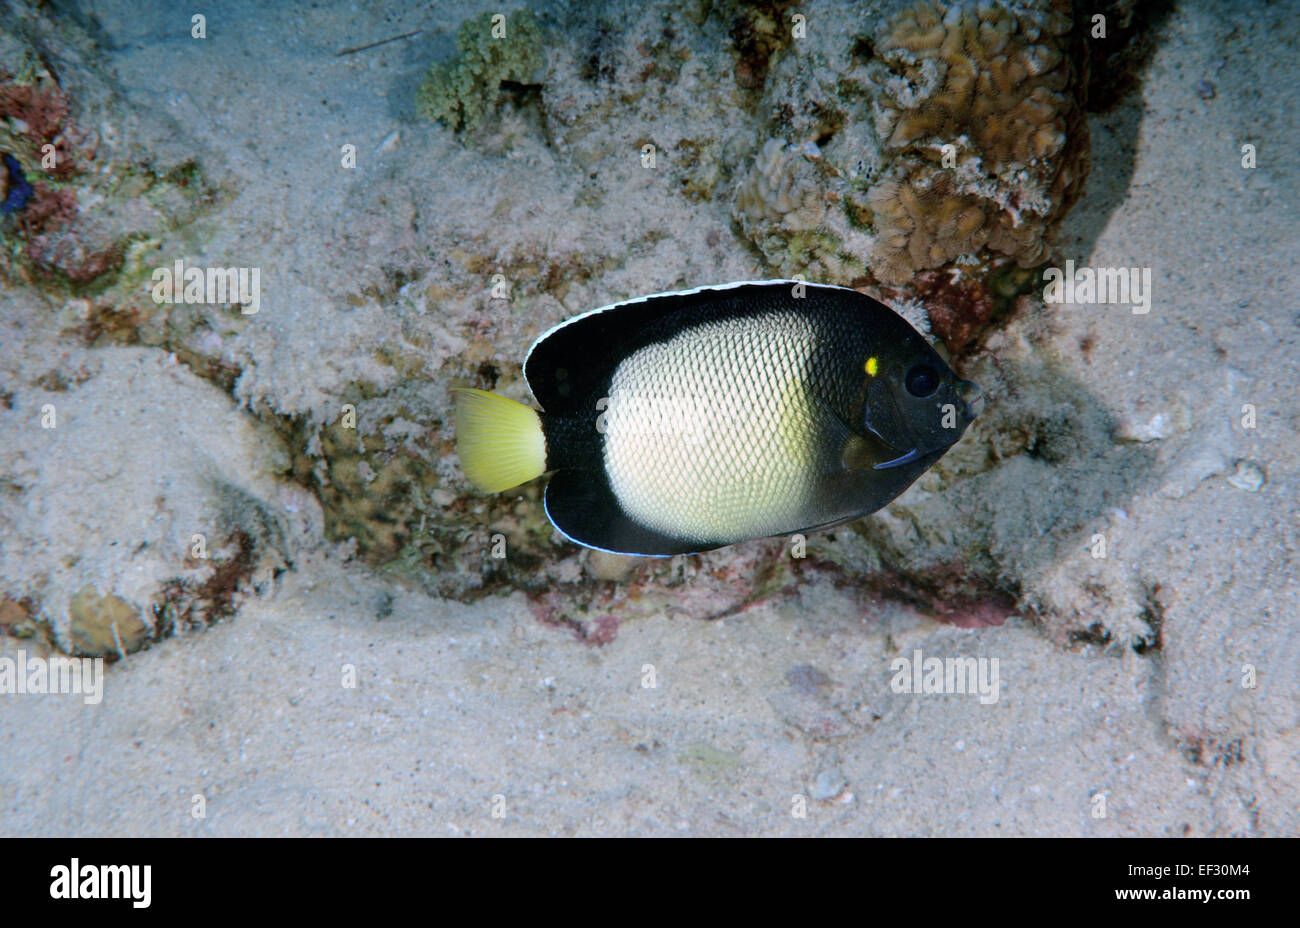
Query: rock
{"points": [[827, 785], [105, 624], [1247, 476], [996, 85], [604, 565]]}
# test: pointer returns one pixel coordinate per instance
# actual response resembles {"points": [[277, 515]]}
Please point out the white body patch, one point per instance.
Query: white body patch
{"points": [[713, 435]]}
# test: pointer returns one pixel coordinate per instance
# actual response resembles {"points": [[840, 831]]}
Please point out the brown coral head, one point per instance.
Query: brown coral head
{"points": [[997, 76], [922, 222], [995, 87]]}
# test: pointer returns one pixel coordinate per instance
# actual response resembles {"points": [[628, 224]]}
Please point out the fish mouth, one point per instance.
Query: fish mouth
{"points": [[972, 396]]}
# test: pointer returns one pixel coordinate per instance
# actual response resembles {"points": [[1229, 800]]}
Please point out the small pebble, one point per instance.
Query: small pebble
{"points": [[828, 785], [807, 679], [1130, 428], [1247, 476], [100, 625], [604, 565], [1205, 89]]}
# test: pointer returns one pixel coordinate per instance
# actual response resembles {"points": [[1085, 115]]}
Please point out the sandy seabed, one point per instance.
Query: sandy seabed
{"points": [[476, 718]]}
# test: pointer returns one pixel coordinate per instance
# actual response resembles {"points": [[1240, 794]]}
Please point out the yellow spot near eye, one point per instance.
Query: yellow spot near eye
{"points": [[873, 365]]}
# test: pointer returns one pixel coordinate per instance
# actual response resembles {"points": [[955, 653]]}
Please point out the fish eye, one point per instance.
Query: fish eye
{"points": [[921, 380]]}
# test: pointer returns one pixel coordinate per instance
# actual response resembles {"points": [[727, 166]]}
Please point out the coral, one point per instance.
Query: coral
{"points": [[79, 254], [922, 223], [380, 490], [961, 302], [789, 205], [92, 193], [978, 70], [376, 498], [64, 242], [188, 603], [998, 86], [959, 305], [38, 115], [33, 116], [953, 139], [758, 31], [783, 187], [462, 92]]}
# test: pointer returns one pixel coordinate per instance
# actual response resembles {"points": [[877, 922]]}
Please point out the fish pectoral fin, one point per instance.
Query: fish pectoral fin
{"points": [[871, 452], [899, 461]]}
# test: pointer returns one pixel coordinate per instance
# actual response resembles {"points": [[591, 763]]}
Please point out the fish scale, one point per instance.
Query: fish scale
{"points": [[749, 467]]}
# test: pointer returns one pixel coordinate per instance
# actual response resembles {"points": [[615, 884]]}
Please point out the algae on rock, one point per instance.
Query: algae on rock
{"points": [[492, 49]]}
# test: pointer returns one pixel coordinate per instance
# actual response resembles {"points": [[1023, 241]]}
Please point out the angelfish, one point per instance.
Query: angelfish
{"points": [[680, 422]]}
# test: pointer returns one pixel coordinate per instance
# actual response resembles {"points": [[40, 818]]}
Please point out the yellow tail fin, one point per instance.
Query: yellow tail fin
{"points": [[499, 442]]}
